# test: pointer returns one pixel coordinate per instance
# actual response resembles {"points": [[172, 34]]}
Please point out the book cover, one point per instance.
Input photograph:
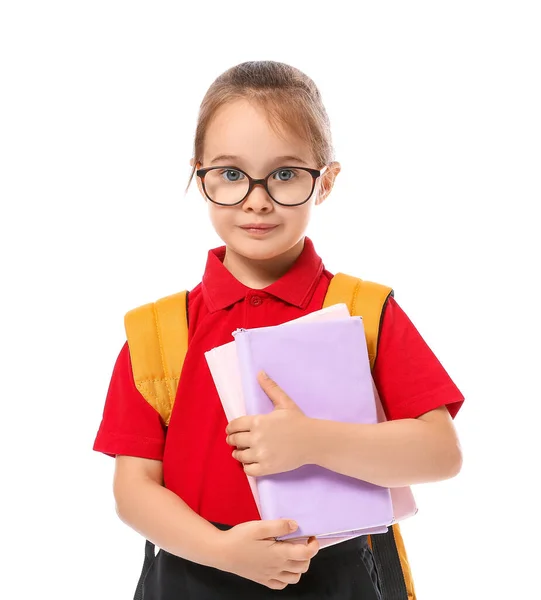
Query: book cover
{"points": [[324, 368]]}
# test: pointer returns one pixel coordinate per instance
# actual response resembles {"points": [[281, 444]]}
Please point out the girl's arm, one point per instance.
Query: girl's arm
{"points": [[170, 524], [248, 550], [390, 454]]}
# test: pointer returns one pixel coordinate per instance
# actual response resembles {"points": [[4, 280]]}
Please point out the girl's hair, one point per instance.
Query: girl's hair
{"points": [[291, 100]]}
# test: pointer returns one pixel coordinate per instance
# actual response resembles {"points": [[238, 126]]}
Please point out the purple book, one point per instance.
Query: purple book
{"points": [[324, 367]]}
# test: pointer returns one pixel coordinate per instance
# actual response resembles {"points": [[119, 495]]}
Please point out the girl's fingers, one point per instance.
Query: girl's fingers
{"points": [[302, 552], [289, 577], [274, 584], [240, 440], [246, 457], [297, 566]]}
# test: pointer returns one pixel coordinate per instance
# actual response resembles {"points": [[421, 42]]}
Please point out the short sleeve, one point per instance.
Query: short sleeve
{"points": [[410, 379], [129, 425]]}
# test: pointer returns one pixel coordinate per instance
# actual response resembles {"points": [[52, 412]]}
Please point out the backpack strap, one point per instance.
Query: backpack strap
{"points": [[367, 299], [363, 298], [158, 340]]}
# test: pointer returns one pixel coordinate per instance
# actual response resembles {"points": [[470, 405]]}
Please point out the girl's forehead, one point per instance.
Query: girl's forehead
{"points": [[242, 129]]}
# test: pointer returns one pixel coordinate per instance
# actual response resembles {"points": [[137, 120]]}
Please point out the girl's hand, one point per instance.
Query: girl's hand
{"points": [[273, 443], [250, 551]]}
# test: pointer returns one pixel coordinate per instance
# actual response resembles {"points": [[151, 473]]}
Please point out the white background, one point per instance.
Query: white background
{"points": [[435, 109]]}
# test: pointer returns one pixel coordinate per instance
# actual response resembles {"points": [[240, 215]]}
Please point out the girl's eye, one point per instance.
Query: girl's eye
{"points": [[285, 175], [232, 175]]}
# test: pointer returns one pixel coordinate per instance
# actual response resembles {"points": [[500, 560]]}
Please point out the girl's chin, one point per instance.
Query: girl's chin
{"points": [[257, 249]]}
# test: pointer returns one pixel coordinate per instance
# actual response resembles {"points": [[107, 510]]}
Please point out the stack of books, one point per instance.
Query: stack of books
{"points": [[321, 361]]}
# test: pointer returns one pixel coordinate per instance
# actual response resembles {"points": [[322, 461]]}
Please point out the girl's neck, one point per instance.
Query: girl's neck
{"points": [[258, 274]]}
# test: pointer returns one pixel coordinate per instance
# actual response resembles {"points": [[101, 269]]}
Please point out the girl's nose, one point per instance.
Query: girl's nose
{"points": [[258, 200]]}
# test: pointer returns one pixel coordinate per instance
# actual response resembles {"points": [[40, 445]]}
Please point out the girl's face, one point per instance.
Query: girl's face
{"points": [[240, 131]]}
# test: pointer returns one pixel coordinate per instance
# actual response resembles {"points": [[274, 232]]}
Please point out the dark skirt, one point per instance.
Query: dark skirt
{"points": [[345, 571]]}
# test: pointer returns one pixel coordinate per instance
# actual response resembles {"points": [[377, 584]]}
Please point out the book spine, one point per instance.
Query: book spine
{"points": [[256, 402], [250, 385]]}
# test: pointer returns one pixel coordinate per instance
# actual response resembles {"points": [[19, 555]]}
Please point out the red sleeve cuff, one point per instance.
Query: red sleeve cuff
{"points": [[112, 444], [415, 407], [410, 379], [129, 425]]}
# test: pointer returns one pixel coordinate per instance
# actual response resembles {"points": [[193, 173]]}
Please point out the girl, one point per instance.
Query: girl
{"points": [[188, 492]]}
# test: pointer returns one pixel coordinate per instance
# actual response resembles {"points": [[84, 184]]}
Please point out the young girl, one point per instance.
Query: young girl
{"points": [[187, 492]]}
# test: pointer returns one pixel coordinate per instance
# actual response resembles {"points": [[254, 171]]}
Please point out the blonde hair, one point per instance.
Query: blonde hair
{"points": [[290, 99]]}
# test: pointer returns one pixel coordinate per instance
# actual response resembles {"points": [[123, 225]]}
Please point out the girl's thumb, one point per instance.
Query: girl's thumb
{"points": [[278, 528]]}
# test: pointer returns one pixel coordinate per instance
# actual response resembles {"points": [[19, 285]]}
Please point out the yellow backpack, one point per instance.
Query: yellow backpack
{"points": [[157, 336]]}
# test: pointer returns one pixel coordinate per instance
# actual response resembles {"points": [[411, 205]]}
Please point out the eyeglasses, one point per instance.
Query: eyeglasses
{"points": [[287, 186]]}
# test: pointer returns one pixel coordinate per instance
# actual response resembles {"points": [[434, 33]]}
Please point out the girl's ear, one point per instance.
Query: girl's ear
{"points": [[327, 181], [199, 186]]}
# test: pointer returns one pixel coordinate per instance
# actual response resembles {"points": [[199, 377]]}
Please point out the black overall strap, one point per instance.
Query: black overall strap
{"points": [[149, 557], [391, 576]]}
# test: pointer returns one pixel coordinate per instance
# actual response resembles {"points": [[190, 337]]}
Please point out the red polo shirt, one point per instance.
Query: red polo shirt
{"points": [[197, 461]]}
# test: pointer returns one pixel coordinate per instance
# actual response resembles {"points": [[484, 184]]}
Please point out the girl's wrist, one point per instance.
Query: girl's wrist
{"points": [[212, 549], [316, 444], [219, 551], [310, 441]]}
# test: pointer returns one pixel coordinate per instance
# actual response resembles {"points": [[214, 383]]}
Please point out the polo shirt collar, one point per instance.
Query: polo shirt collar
{"points": [[221, 290]]}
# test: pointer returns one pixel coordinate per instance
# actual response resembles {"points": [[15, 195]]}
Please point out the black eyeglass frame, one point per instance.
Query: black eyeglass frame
{"points": [[315, 173]]}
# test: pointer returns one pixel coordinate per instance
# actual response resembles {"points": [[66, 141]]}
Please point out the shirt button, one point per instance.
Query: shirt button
{"points": [[256, 300]]}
